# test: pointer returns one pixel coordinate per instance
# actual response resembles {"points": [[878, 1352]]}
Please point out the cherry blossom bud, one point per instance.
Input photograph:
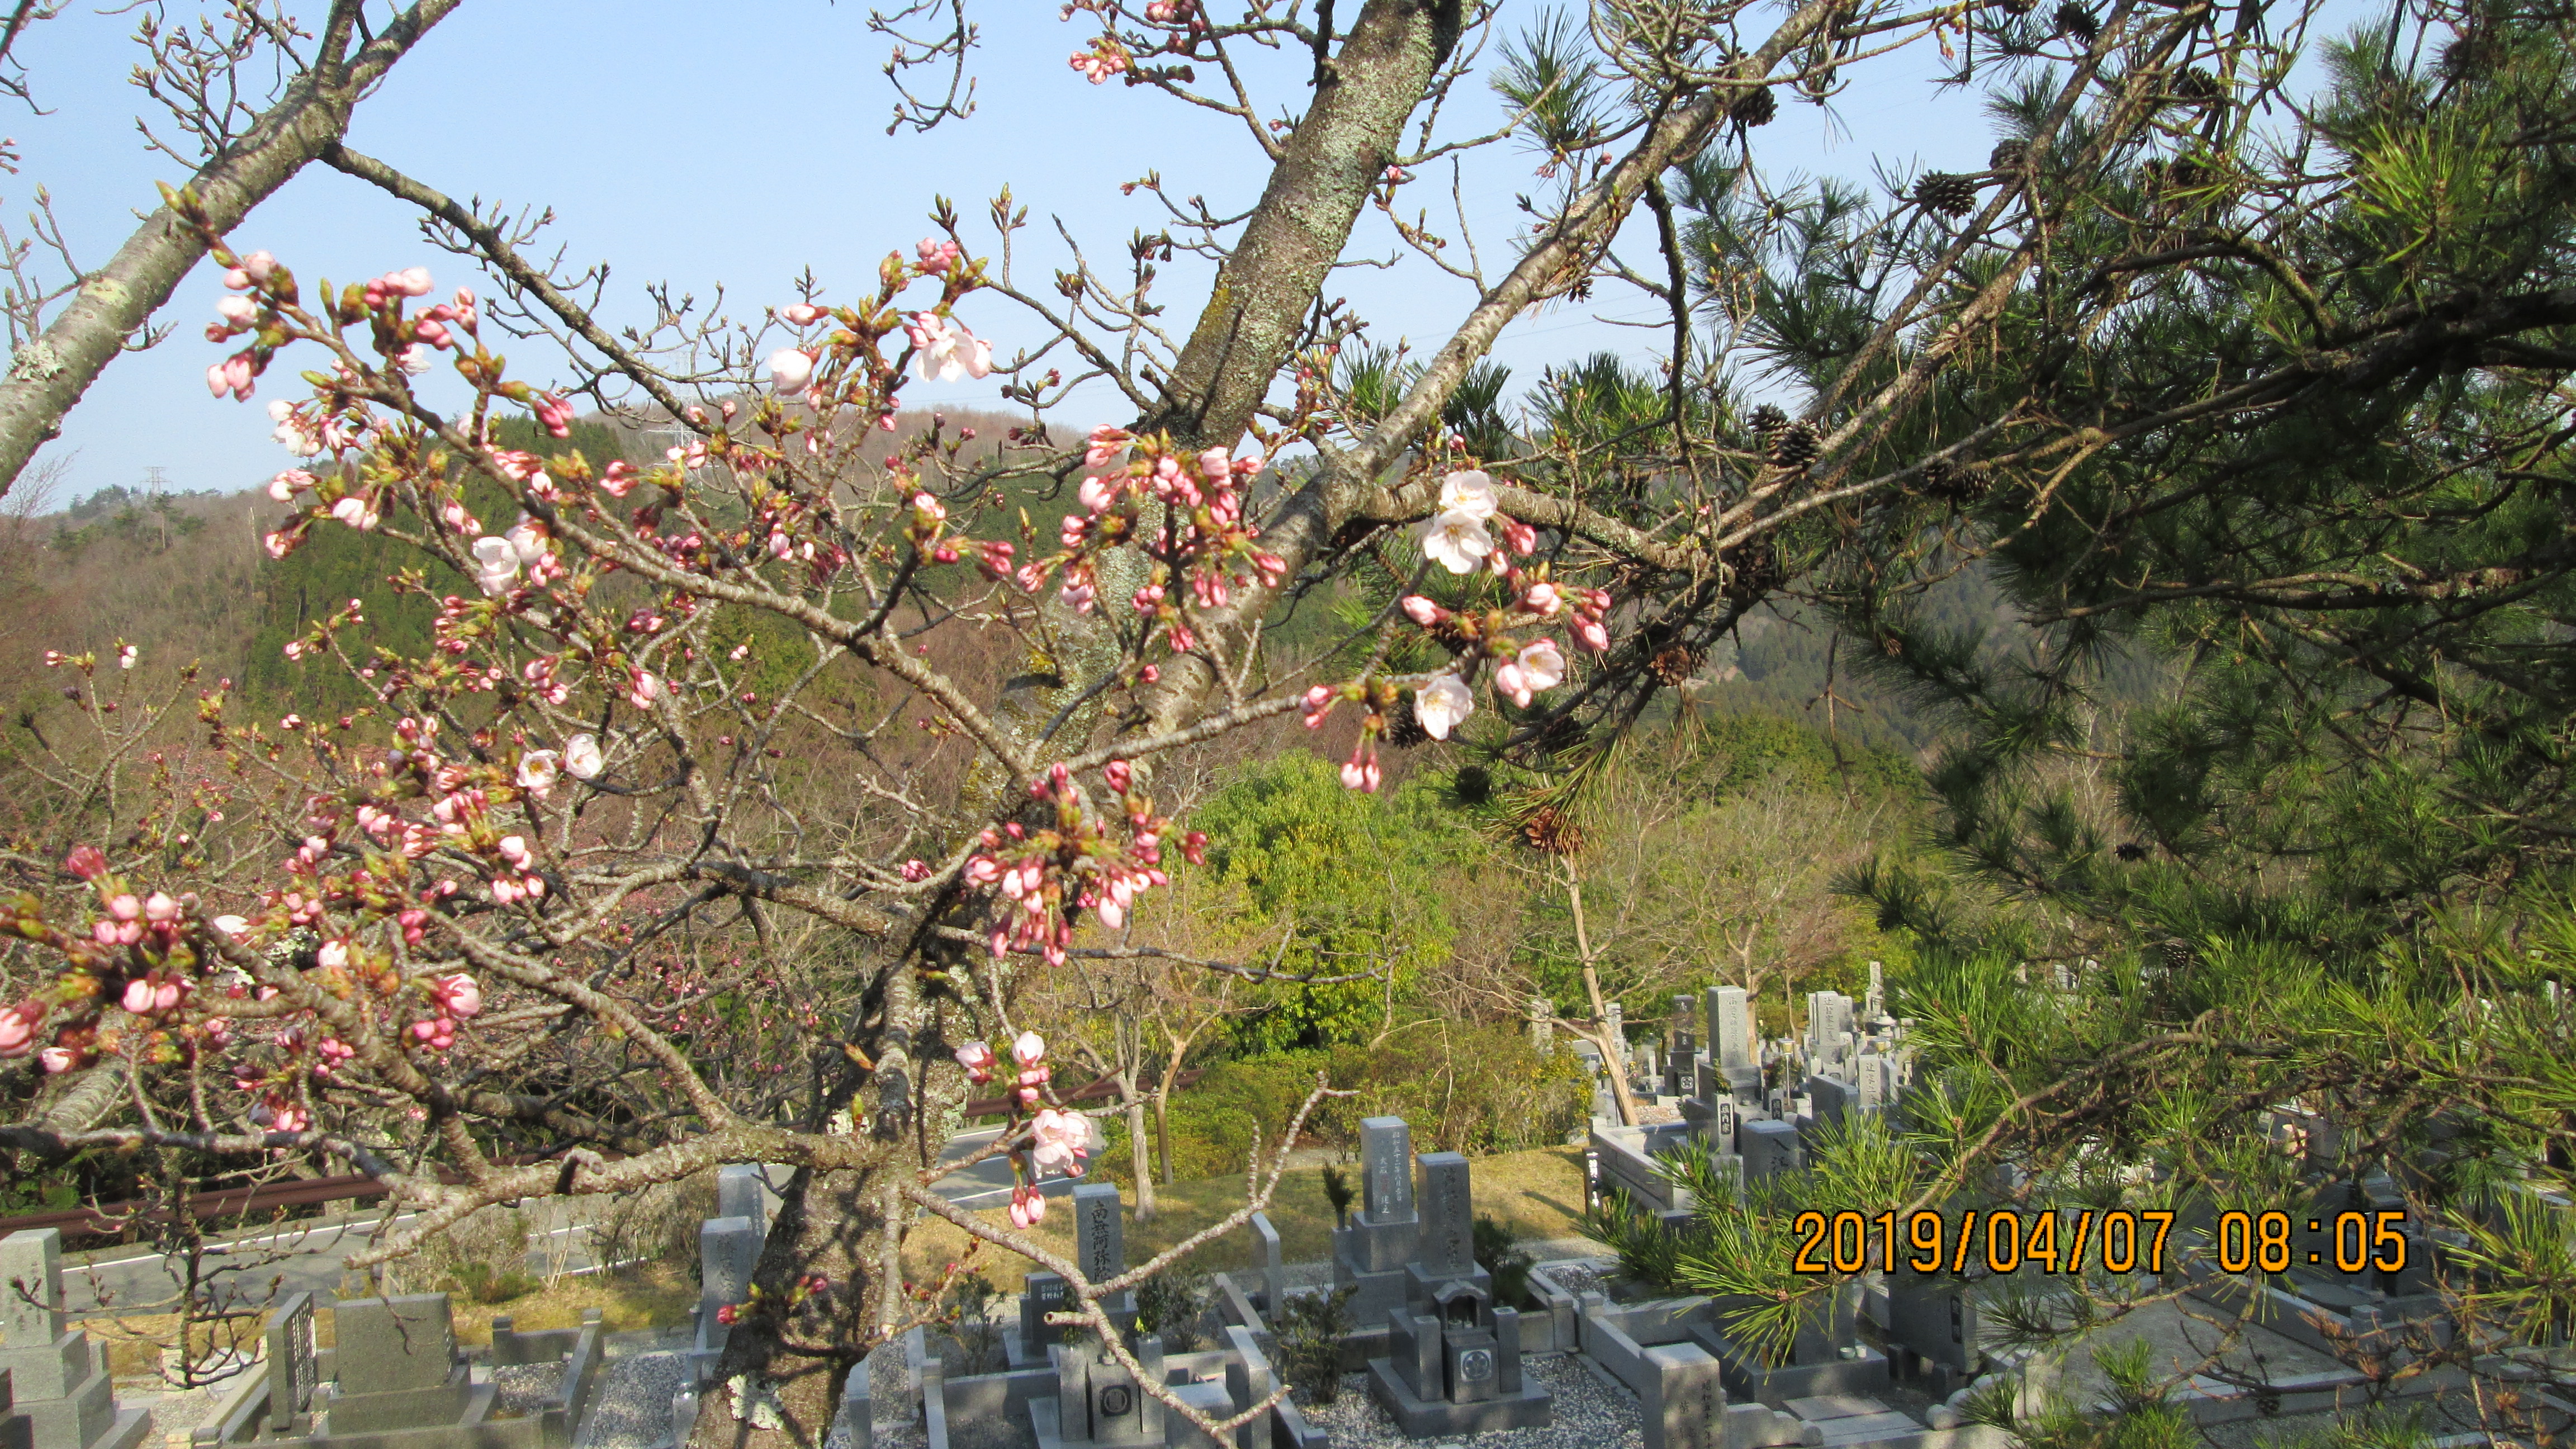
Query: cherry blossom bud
{"points": [[1422, 611], [800, 314], [259, 266], [1029, 1048], [160, 907], [240, 311], [18, 1028], [790, 370]]}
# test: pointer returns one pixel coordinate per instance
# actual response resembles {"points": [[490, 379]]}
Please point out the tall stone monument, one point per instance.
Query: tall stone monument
{"points": [[1372, 1254], [58, 1384]]}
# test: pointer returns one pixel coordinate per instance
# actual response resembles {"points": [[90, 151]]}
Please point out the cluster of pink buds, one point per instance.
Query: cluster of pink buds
{"points": [[456, 997], [518, 879], [1105, 59], [140, 952], [1197, 534], [1052, 874], [938, 254]]}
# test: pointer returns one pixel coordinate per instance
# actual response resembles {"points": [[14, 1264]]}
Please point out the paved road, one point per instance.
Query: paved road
{"points": [[308, 1256]]}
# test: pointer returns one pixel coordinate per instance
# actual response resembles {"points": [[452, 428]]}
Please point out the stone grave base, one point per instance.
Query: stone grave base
{"points": [[1531, 1408], [123, 1428], [1746, 1379], [526, 1433]]}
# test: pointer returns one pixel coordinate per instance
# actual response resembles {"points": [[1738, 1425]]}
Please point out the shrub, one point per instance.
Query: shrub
{"points": [[1171, 1304], [1500, 1254], [481, 1258], [1310, 1328], [656, 1225], [1470, 1088], [971, 1324]]}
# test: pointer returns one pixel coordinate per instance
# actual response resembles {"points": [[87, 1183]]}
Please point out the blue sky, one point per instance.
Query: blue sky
{"points": [[738, 145]]}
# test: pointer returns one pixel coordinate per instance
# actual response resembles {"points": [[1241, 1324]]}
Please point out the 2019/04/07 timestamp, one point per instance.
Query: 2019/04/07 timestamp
{"points": [[2116, 1241]]}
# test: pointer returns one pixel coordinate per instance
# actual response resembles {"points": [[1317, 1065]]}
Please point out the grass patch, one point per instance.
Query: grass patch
{"points": [[1539, 1194], [651, 1295]]}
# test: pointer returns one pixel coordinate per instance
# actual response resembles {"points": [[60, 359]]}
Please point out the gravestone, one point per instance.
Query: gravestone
{"points": [[1100, 1246], [1730, 1027], [1541, 1016], [1872, 1083], [1689, 1411], [1829, 1017], [728, 1255], [1935, 1319], [1680, 1059], [1722, 1122], [1874, 1005], [1457, 1369], [1041, 1293], [1372, 1254], [293, 1371], [1768, 1146], [738, 1195], [394, 1366], [1448, 1212], [1097, 1401], [59, 1395], [1827, 1099]]}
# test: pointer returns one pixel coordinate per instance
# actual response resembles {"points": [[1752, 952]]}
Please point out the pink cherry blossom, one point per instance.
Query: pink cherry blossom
{"points": [[496, 566], [537, 771], [1470, 493], [1028, 1049], [978, 1060], [1442, 704], [1456, 540], [1543, 665], [1058, 1140], [581, 757]]}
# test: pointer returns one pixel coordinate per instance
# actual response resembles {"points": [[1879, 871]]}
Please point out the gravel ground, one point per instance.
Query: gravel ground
{"points": [[521, 1389], [1589, 1415], [633, 1401]]}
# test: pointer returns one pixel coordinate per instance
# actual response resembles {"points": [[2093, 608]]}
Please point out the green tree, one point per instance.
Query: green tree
{"points": [[1346, 880]]}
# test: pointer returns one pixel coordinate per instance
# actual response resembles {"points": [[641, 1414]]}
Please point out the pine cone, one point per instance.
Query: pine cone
{"points": [[1403, 727], [2008, 155], [1473, 784], [2471, 55], [2178, 954], [1796, 445], [2013, 7], [2075, 20], [2129, 850], [2195, 88], [1674, 666], [1757, 572], [1754, 108], [1767, 420], [1550, 833], [1937, 476], [1945, 192]]}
